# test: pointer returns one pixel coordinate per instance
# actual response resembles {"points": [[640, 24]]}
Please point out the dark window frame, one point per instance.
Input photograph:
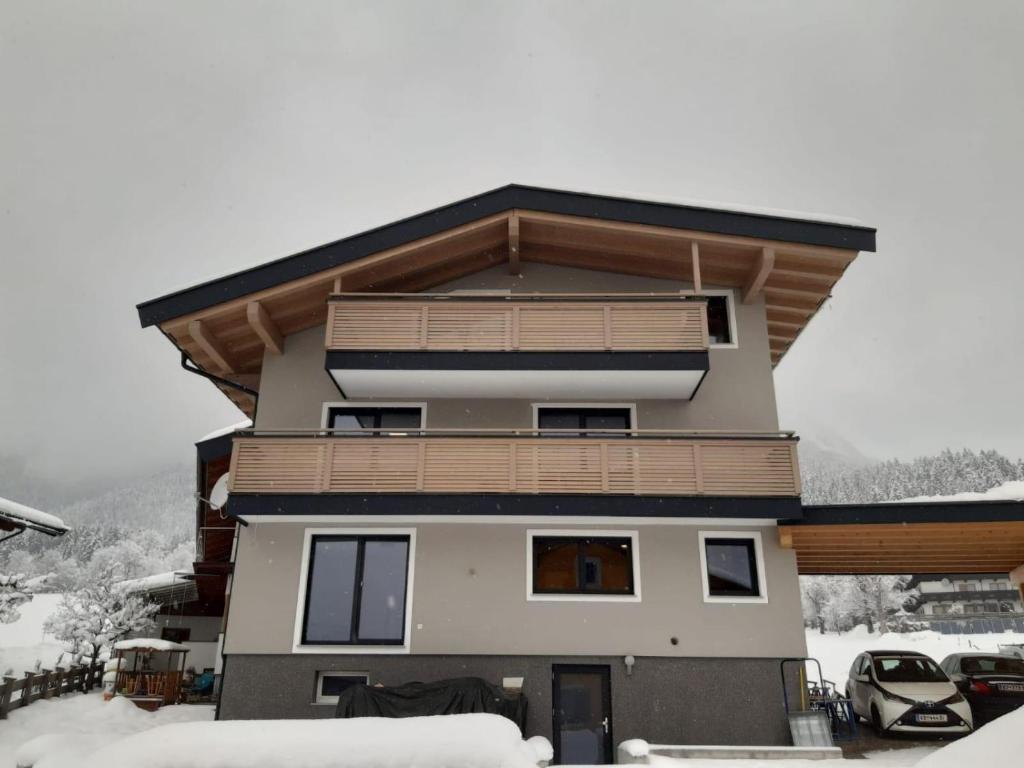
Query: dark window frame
{"points": [[357, 590], [581, 413], [581, 565], [727, 316], [176, 634], [377, 411], [750, 544]]}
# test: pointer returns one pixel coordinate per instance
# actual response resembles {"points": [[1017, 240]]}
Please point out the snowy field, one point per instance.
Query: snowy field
{"points": [[24, 642]]}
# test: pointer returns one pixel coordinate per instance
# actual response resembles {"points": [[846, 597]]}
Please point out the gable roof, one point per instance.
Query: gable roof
{"points": [[787, 227]]}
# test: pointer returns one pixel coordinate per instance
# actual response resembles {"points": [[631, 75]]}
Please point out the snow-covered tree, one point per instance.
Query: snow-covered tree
{"points": [[99, 614], [14, 593]]}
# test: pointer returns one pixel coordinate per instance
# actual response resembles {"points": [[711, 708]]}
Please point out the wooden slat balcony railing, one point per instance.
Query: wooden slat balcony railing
{"points": [[519, 323], [644, 464]]}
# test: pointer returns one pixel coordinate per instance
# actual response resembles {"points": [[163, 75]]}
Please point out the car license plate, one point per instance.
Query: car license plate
{"points": [[1011, 687], [931, 718]]}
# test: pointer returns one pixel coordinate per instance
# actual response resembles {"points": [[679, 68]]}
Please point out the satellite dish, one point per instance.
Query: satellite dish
{"points": [[219, 494]]}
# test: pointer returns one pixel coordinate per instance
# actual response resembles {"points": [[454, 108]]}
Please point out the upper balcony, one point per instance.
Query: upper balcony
{"points": [[615, 472], [517, 345]]}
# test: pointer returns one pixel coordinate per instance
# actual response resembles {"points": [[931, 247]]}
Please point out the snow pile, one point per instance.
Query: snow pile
{"points": [[443, 741], [1000, 744], [247, 424], [635, 748], [837, 652], [1012, 490], [61, 732], [543, 752], [157, 580]]}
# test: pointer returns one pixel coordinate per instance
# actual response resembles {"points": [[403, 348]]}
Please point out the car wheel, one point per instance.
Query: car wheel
{"points": [[876, 721]]}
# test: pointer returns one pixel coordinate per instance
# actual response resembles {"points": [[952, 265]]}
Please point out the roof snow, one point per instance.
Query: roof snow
{"points": [[225, 431], [27, 517], [1009, 491], [148, 644], [156, 581]]}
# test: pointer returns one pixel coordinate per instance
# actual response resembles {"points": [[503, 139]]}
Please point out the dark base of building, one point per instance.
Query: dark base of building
{"points": [[664, 700]]}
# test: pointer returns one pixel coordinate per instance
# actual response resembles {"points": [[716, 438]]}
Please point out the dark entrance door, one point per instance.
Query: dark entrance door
{"points": [[582, 707]]}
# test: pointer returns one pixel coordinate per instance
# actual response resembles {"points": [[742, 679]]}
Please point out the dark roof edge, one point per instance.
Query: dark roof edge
{"points": [[913, 512], [679, 216]]}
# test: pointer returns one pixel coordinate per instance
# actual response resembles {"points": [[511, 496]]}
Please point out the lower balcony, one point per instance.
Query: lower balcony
{"points": [[437, 472]]}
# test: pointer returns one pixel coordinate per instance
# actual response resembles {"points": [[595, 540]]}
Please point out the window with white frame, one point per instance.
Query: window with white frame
{"points": [[356, 590], [330, 685], [732, 567], [374, 418], [722, 330], [584, 565]]}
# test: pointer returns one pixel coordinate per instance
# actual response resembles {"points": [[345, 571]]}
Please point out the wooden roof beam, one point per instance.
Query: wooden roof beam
{"points": [[695, 260], [211, 345], [513, 244], [264, 326], [759, 275]]}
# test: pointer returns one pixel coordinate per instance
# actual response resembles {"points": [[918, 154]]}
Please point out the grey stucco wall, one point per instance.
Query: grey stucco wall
{"points": [[665, 700], [738, 393], [469, 596]]}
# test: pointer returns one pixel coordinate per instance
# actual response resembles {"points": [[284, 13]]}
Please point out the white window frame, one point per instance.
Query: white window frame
{"points": [[325, 414], [730, 304], [583, 533], [762, 581], [319, 698], [300, 603], [631, 407]]}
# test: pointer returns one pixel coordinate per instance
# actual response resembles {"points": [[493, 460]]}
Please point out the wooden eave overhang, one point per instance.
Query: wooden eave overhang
{"points": [[225, 326], [981, 537]]}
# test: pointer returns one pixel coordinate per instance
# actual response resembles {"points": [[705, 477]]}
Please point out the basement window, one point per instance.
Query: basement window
{"points": [[732, 567], [330, 685], [578, 565]]}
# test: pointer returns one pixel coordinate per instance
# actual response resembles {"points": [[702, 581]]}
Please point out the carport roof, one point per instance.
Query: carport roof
{"points": [[914, 537]]}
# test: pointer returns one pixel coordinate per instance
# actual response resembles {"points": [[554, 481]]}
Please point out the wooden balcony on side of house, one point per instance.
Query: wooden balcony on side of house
{"points": [[645, 463]]}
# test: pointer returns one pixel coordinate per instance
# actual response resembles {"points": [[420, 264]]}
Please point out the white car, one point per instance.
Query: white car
{"points": [[906, 692]]}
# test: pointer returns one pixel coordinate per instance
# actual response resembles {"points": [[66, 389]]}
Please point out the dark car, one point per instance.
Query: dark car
{"points": [[993, 684]]}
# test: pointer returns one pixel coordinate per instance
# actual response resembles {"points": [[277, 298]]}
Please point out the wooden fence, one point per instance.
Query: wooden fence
{"points": [[47, 684]]}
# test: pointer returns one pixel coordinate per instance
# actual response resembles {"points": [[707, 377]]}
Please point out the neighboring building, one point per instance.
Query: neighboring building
{"points": [[530, 435], [958, 603]]}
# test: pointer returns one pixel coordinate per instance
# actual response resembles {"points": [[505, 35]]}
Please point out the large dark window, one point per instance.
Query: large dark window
{"points": [[355, 590], [719, 329], [587, 422], [356, 418], [580, 566], [731, 567]]}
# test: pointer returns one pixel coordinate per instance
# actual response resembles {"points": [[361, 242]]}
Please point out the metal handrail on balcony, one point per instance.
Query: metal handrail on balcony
{"points": [[648, 462], [517, 322]]}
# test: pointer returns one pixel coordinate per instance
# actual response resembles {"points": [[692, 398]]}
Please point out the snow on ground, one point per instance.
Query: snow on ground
{"points": [[24, 642], [442, 741], [837, 652], [62, 731], [1000, 744]]}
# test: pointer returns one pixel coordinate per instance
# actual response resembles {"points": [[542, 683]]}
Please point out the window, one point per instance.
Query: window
{"points": [[731, 567], [356, 590], [940, 610], [400, 419], [580, 565], [908, 669], [176, 634], [586, 421], [329, 685], [721, 319]]}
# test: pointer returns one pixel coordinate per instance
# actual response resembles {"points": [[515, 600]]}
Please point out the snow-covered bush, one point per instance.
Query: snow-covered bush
{"points": [[96, 616], [14, 593]]}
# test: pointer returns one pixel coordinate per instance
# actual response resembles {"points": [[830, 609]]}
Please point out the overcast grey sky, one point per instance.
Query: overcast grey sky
{"points": [[147, 146]]}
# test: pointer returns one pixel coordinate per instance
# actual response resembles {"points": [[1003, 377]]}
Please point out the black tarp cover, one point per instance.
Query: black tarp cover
{"points": [[444, 697]]}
